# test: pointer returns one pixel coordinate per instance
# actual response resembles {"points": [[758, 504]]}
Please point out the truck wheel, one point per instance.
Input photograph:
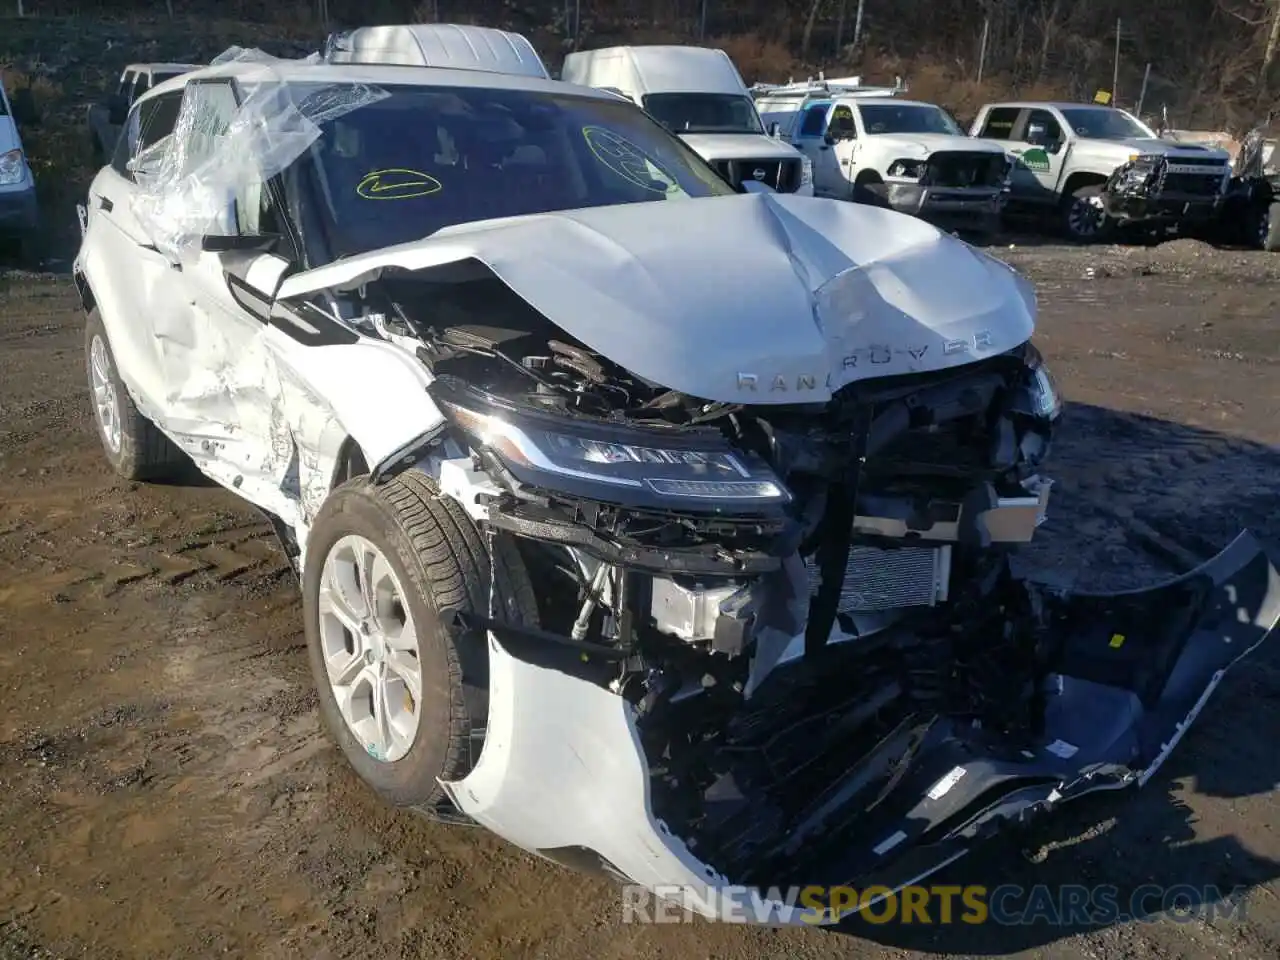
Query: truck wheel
{"points": [[1084, 219], [135, 447], [401, 691], [870, 189], [1268, 230]]}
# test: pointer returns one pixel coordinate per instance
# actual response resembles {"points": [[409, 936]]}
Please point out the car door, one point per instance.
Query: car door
{"points": [[222, 386], [810, 139], [1044, 149], [130, 278], [841, 141]]}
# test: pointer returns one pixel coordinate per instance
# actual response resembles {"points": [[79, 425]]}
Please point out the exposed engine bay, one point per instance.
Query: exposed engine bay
{"points": [[810, 583]]}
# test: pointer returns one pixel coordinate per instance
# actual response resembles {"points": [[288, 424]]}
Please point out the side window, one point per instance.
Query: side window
{"points": [[142, 85], [212, 107], [126, 84], [842, 125], [149, 122], [999, 123], [1042, 128], [814, 118]]}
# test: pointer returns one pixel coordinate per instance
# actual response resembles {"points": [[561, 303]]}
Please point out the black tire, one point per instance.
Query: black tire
{"points": [[440, 558], [1269, 229], [871, 190], [143, 452], [1074, 221]]}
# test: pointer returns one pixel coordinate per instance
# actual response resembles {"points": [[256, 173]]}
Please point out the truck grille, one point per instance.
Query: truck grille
{"points": [[1193, 184], [878, 579], [956, 169], [782, 175]]}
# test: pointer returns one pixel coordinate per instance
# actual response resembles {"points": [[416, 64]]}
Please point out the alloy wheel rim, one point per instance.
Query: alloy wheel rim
{"points": [[1086, 216], [106, 404], [370, 647], [1264, 227]]}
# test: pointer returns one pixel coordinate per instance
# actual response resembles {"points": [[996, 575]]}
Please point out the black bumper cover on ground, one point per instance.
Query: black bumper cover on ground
{"points": [[1135, 670]]}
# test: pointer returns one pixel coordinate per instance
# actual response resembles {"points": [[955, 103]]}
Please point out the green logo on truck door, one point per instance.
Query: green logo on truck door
{"points": [[1036, 160]]}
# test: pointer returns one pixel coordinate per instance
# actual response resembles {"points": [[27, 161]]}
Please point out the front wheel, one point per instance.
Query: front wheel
{"points": [[135, 447], [401, 691], [1084, 216]]}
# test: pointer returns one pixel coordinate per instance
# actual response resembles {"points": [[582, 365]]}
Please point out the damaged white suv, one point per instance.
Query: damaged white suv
{"points": [[657, 528]]}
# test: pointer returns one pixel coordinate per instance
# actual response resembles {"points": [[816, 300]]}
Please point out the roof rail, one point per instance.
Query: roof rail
{"points": [[822, 87]]}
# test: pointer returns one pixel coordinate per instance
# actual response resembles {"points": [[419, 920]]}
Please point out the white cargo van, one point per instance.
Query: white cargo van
{"points": [[19, 214], [451, 45], [698, 94]]}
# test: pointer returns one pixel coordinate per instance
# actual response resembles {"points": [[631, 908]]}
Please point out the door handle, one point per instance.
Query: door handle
{"points": [[104, 203]]}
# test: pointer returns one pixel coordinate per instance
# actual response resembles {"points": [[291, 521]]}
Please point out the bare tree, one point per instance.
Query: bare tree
{"points": [[805, 38], [1048, 23]]}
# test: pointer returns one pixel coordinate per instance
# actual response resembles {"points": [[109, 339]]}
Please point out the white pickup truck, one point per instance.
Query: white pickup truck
{"points": [[869, 145], [1093, 168]]}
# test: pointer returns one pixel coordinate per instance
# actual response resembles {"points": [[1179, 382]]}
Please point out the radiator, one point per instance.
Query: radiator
{"points": [[888, 579]]}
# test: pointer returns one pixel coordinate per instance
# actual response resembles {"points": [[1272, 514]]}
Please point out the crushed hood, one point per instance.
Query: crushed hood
{"points": [[923, 144], [739, 146], [1168, 148], [763, 298]]}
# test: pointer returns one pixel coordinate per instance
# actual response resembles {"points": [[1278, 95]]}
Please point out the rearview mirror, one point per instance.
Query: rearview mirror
{"points": [[239, 243], [774, 129]]}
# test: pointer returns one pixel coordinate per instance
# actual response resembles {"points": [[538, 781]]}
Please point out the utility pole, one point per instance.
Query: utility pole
{"points": [[1146, 75], [857, 24], [1273, 40], [982, 49], [702, 22], [1115, 70]]}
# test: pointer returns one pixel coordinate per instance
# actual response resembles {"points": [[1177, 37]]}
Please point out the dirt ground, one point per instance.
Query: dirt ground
{"points": [[166, 789]]}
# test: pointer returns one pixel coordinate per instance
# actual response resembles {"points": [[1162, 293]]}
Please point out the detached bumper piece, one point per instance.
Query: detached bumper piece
{"points": [[1128, 675]]}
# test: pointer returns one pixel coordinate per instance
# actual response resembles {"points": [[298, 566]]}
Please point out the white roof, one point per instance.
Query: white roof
{"points": [[672, 68], [460, 46], [302, 71], [161, 67]]}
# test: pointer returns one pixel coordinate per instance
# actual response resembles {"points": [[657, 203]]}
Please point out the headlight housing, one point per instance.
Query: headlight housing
{"points": [[694, 470], [907, 169], [1041, 398], [13, 168]]}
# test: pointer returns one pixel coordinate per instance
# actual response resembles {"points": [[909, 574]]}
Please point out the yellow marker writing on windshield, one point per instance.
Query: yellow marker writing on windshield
{"points": [[397, 183], [626, 159]]}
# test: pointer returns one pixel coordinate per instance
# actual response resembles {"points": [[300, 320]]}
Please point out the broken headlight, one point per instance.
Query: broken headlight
{"points": [[907, 169], [1039, 396], [692, 470]]}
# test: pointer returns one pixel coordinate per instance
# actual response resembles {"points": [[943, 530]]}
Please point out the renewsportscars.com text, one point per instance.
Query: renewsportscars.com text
{"points": [[1070, 905]]}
